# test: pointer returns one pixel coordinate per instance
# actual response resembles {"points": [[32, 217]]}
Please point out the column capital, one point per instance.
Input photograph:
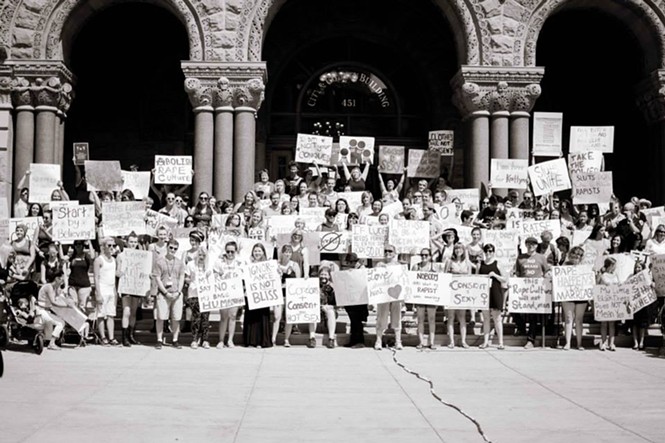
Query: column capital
{"points": [[41, 83], [650, 94], [496, 89], [249, 95], [200, 94]]}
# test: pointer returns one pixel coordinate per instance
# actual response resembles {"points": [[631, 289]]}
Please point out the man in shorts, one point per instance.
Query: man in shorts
{"points": [[170, 278]]}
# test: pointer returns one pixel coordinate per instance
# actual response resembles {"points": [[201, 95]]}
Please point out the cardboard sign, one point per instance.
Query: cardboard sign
{"points": [[303, 301], [44, 180], [505, 247], [73, 316], [335, 242], [350, 287], [393, 209], [173, 169], [74, 223], [427, 288], [313, 217], [136, 270], [448, 213], [425, 164], [391, 159], [217, 293], [408, 236], [611, 303], [592, 187], [469, 197], [386, 284], [369, 241], [81, 153], [155, 220], [356, 150], [281, 224], [103, 175], [588, 161], [121, 218], [469, 292], [592, 138], [529, 295], [624, 268], [550, 176], [534, 228], [573, 283], [509, 173], [353, 199], [441, 142], [547, 129], [314, 149], [514, 218], [264, 285], [31, 223], [639, 289], [658, 273], [138, 182]]}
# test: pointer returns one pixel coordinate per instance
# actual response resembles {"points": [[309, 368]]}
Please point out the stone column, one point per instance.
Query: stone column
{"points": [[223, 164], [247, 99], [200, 97], [6, 140], [477, 162], [651, 100], [46, 95], [24, 142], [523, 100]]}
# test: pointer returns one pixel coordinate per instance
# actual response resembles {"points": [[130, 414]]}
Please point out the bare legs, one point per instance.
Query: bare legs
{"points": [[431, 321], [227, 322]]}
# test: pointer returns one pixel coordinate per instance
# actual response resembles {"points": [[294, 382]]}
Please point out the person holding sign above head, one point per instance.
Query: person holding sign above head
{"points": [[130, 303], [573, 311], [389, 191], [256, 330], [200, 320], [608, 276], [458, 263], [426, 264], [104, 269], [264, 187], [170, 277], [489, 266], [228, 266], [287, 268], [356, 179], [21, 205]]}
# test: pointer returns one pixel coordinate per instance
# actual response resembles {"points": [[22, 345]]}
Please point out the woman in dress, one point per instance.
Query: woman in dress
{"points": [[608, 276], [105, 291], [457, 264], [426, 264], [287, 269], [256, 329], [200, 320], [574, 310], [488, 266], [475, 247]]}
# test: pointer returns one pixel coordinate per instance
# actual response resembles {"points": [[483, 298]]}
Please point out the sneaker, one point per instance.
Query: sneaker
{"points": [[105, 342], [194, 345], [398, 346], [603, 347], [220, 345], [206, 345], [114, 342], [433, 347], [177, 345], [331, 343], [287, 344], [378, 346], [613, 348], [54, 347], [311, 343], [158, 345], [528, 345], [230, 345]]}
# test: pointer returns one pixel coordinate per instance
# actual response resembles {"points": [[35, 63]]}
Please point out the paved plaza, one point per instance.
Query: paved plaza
{"points": [[356, 395]]}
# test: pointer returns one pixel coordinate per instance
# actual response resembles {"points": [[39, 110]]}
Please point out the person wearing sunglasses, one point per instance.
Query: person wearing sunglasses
{"points": [[202, 212], [173, 209], [104, 270], [656, 244], [394, 308], [170, 278], [426, 264], [489, 266]]}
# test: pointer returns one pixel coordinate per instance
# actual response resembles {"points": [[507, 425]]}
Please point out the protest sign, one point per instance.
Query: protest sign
{"points": [[281, 224], [514, 218], [427, 288], [313, 149], [73, 316], [103, 175], [448, 213], [658, 211], [335, 242], [408, 236], [173, 169], [4, 231], [469, 197], [303, 301], [219, 221], [550, 176], [121, 218], [354, 199], [639, 289], [393, 209], [31, 223], [441, 142], [592, 138], [341, 220], [505, 246], [534, 228], [44, 180], [386, 284], [356, 150], [350, 287], [313, 217], [155, 220], [135, 272], [529, 295], [469, 292], [509, 173], [573, 283], [611, 303], [81, 153], [588, 161], [391, 159], [425, 164], [369, 241], [216, 293], [264, 285], [138, 182], [579, 237], [625, 265], [74, 223], [658, 273], [547, 128], [592, 187]]}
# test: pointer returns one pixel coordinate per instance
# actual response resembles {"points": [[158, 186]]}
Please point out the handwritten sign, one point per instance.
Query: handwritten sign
{"points": [[334, 242], [441, 142], [514, 218], [592, 138], [625, 265], [386, 284], [103, 175], [509, 173], [313, 217], [640, 291], [505, 246], [173, 169], [81, 153], [264, 285], [426, 164], [356, 150], [588, 161], [369, 241], [534, 228], [314, 149], [391, 159], [611, 303], [409, 236], [448, 213], [138, 182], [547, 129], [350, 287], [281, 224], [354, 199], [469, 197], [592, 187], [469, 292], [44, 180], [136, 270], [393, 209], [529, 295], [550, 176], [573, 283], [154, 220], [121, 218], [74, 223], [31, 223], [427, 288], [216, 293], [658, 273], [303, 301]]}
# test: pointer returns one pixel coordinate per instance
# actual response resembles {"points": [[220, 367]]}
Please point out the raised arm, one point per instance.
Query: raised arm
{"points": [[365, 171]]}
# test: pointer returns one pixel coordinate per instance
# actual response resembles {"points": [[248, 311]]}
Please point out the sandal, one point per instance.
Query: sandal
{"points": [[114, 342], [483, 346], [465, 346], [451, 345], [419, 346], [501, 347]]}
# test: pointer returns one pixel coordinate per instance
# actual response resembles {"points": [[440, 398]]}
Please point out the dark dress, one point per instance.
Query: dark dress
{"points": [[496, 293], [256, 327]]}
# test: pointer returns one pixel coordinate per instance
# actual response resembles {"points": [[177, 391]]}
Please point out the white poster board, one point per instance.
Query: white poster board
{"points": [[303, 301], [611, 303], [391, 159], [138, 182], [592, 138], [350, 287], [509, 173], [573, 283], [408, 236], [587, 161], [313, 149], [428, 288], [469, 292], [441, 142], [135, 272], [386, 284], [173, 169], [548, 177], [592, 187], [44, 180], [368, 241], [122, 218], [216, 293], [469, 197], [356, 150], [74, 223], [424, 164], [547, 130], [529, 295], [263, 284]]}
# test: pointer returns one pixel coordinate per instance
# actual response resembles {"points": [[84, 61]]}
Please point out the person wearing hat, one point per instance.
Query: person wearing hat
{"points": [[530, 264], [450, 237]]}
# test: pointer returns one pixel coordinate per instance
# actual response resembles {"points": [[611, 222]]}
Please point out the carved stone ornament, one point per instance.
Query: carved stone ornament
{"points": [[199, 94], [223, 93], [46, 92], [651, 97], [251, 94]]}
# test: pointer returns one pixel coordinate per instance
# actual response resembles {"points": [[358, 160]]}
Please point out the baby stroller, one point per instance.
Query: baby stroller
{"points": [[13, 327]]}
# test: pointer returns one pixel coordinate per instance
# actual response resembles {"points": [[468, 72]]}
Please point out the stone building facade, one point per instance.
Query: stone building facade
{"points": [[495, 81]]}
